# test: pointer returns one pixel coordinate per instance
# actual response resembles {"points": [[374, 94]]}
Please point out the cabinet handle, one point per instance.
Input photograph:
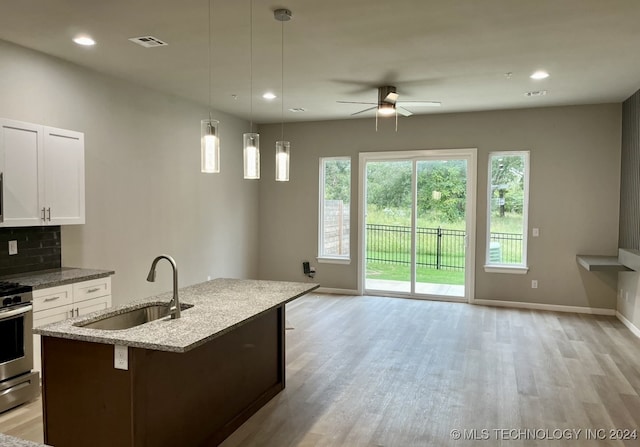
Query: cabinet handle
{"points": [[49, 211], [95, 289], [1, 196], [77, 311], [53, 298], [43, 214]]}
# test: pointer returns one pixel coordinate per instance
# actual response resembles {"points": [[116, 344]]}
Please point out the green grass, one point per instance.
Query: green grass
{"points": [[510, 223], [400, 244], [402, 272]]}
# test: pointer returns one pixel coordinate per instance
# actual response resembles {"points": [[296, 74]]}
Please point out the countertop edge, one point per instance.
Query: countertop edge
{"points": [[81, 278], [96, 338], [49, 278]]}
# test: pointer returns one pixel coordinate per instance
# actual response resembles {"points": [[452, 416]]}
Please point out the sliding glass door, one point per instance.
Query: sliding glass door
{"points": [[417, 212]]}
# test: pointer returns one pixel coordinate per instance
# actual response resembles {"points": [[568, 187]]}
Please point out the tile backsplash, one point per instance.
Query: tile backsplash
{"points": [[38, 249]]}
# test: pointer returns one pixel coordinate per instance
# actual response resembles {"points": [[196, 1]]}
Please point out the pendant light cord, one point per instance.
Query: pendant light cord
{"points": [[209, 54], [282, 81], [250, 66]]}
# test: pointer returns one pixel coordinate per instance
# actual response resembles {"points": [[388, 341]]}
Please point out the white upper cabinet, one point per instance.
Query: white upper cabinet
{"points": [[41, 175], [63, 176], [22, 188]]}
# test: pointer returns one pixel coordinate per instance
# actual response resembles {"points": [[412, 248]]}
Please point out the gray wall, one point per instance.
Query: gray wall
{"points": [[629, 282], [145, 194], [574, 194], [630, 174]]}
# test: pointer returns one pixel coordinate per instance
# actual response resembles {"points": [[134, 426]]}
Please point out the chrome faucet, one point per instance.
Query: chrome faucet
{"points": [[174, 304]]}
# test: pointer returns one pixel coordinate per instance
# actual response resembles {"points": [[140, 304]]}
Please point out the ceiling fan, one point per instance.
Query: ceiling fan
{"points": [[388, 103]]}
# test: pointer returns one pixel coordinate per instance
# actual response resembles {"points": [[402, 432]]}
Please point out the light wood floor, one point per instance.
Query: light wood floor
{"points": [[373, 371]]}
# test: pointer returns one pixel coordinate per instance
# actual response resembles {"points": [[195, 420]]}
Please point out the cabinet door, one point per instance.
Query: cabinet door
{"points": [[51, 297], [88, 306], [51, 315], [64, 176], [21, 164], [93, 288]]}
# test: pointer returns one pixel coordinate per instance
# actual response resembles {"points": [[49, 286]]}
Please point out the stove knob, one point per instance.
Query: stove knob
{"points": [[6, 301], [17, 299]]}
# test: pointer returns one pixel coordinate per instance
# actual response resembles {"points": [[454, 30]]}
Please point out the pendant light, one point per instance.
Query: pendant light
{"points": [[282, 147], [209, 137], [251, 140]]}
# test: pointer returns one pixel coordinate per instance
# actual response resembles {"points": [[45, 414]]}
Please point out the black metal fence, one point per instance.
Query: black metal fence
{"points": [[437, 248]]}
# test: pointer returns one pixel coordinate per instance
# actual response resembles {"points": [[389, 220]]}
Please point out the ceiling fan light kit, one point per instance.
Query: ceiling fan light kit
{"points": [[388, 104]]}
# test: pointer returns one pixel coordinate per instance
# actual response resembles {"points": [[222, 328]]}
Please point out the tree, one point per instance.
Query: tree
{"points": [[337, 180], [507, 183], [442, 188]]}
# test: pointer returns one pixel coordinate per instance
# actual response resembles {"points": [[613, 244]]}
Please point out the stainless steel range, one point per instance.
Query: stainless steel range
{"points": [[18, 384]]}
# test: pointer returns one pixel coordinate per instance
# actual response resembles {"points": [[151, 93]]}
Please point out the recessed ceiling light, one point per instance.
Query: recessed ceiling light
{"points": [[269, 95], [540, 74], [84, 40]]}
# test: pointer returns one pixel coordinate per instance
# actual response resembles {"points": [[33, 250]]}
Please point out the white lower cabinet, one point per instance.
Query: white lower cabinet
{"points": [[62, 302]]}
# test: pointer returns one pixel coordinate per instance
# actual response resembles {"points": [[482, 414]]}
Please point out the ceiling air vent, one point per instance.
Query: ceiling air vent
{"points": [[148, 41], [536, 93]]}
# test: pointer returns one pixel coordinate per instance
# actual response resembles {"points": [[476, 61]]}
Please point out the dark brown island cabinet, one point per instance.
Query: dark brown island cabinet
{"points": [[192, 398]]}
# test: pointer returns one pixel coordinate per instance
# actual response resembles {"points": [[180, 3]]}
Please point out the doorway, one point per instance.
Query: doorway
{"points": [[417, 223]]}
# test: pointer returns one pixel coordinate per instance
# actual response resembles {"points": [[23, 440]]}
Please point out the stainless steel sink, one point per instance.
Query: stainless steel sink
{"points": [[132, 318]]}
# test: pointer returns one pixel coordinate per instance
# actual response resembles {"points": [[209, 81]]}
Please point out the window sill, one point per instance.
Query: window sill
{"points": [[330, 260], [514, 270]]}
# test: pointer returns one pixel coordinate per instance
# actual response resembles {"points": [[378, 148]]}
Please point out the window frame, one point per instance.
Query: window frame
{"points": [[522, 268], [322, 258]]}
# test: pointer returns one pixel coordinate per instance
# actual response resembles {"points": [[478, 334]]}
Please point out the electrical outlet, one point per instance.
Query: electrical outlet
{"points": [[120, 357], [13, 247], [534, 283], [208, 277], [536, 232]]}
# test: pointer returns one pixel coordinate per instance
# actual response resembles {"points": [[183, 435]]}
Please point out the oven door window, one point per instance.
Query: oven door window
{"points": [[12, 338]]}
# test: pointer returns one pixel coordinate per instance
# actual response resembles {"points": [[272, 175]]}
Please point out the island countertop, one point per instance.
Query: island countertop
{"points": [[218, 307]]}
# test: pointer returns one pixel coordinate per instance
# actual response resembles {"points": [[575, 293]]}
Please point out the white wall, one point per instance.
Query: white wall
{"points": [[574, 194], [145, 194]]}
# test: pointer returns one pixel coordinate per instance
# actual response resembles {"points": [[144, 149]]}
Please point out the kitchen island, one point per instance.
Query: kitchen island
{"points": [[189, 381]]}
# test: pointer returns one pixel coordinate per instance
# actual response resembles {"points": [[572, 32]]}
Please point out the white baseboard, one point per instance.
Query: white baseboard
{"points": [[551, 307], [333, 291], [632, 327]]}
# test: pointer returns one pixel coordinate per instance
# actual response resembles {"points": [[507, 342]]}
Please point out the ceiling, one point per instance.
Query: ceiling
{"points": [[454, 51]]}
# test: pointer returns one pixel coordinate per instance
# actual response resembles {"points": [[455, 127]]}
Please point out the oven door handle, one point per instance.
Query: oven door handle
{"points": [[12, 313]]}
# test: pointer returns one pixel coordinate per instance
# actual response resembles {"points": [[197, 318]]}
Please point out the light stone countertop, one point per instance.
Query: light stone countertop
{"points": [[10, 441], [218, 307], [43, 279]]}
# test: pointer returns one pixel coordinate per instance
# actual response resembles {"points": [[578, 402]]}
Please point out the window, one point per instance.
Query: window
{"points": [[508, 198], [335, 201]]}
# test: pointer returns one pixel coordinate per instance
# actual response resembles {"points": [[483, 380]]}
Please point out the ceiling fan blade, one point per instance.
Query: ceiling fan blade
{"points": [[421, 103], [402, 111], [356, 102], [391, 98], [365, 110]]}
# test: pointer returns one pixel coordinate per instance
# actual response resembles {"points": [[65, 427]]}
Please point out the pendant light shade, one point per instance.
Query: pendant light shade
{"points": [[209, 137], [251, 144], [251, 140], [209, 146], [283, 147], [282, 161]]}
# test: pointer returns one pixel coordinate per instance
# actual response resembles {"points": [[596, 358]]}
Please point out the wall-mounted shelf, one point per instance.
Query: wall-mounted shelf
{"points": [[629, 258], [595, 263]]}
